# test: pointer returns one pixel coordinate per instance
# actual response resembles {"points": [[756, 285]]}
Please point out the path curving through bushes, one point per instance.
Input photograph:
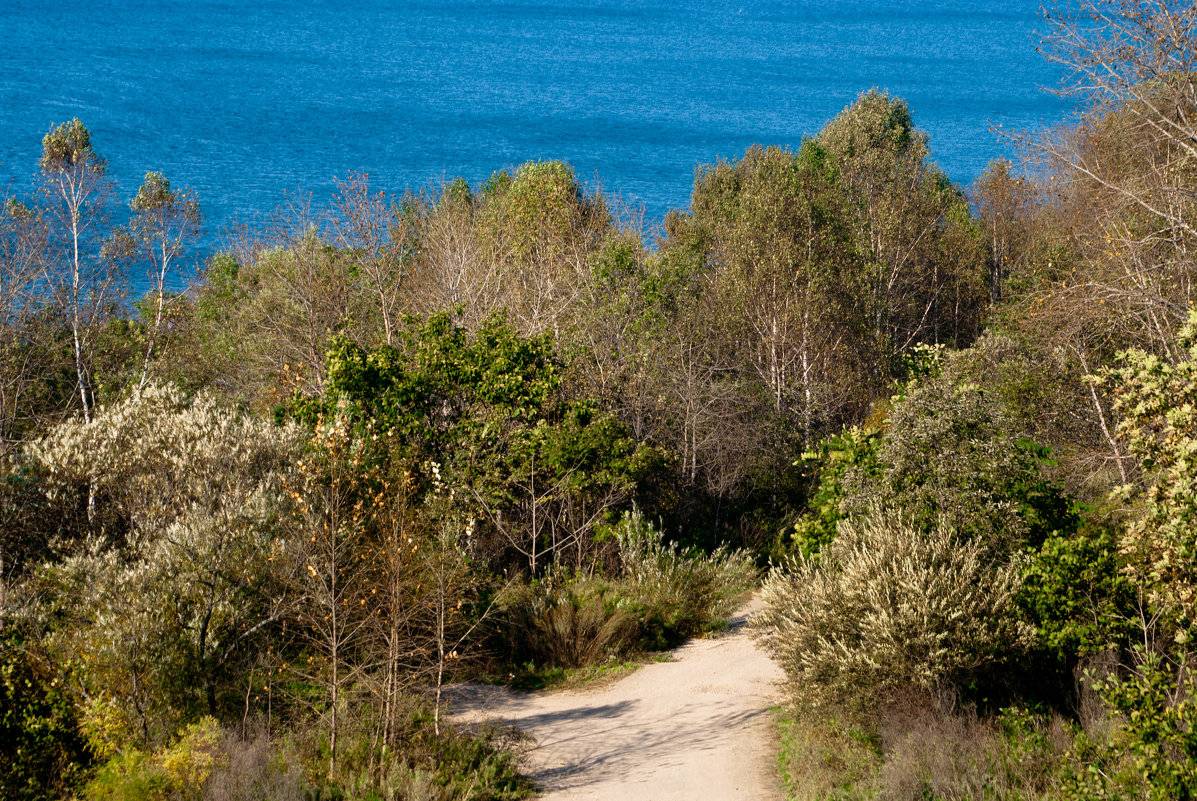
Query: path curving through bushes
{"points": [[694, 727]]}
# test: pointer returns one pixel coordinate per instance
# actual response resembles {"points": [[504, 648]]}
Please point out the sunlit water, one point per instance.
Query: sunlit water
{"points": [[243, 101]]}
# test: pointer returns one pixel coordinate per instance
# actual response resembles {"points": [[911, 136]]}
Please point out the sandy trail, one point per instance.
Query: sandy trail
{"points": [[696, 727]]}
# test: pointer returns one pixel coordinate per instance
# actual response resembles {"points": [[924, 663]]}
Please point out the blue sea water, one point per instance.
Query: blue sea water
{"points": [[243, 101]]}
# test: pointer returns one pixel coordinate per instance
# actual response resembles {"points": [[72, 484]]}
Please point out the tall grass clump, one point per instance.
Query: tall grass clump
{"points": [[889, 609], [661, 595], [567, 621], [680, 593]]}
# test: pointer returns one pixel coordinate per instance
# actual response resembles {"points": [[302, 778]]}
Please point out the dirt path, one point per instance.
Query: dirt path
{"points": [[696, 727]]}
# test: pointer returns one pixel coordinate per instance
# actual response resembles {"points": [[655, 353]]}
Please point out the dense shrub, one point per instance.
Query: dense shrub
{"points": [[955, 455], [889, 607], [853, 451], [178, 772], [155, 607], [1077, 594], [42, 752], [916, 753], [211, 763]]}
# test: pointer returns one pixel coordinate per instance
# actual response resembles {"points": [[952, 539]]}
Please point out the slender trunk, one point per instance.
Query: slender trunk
{"points": [[161, 289], [1101, 419], [77, 343], [209, 684], [440, 642], [334, 696], [535, 531], [334, 653]]}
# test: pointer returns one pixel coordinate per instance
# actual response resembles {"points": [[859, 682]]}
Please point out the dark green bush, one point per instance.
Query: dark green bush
{"points": [[43, 754]]}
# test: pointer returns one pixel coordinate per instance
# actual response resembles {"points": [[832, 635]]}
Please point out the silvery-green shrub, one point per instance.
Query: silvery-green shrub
{"points": [[889, 608]]}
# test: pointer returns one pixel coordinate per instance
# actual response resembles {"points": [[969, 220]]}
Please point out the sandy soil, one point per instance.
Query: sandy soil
{"points": [[693, 728]]}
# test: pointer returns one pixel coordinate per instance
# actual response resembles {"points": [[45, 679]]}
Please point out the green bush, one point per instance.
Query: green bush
{"points": [[1077, 594], [176, 773], [889, 608], [42, 751], [1151, 751], [955, 454], [852, 450]]}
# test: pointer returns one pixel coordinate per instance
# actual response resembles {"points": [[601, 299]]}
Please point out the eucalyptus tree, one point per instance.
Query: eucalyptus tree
{"points": [[76, 189], [773, 233], [165, 221], [539, 228]]}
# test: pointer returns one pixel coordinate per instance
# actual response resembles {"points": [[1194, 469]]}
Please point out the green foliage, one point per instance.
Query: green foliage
{"points": [[562, 622], [788, 280], [1152, 753], [925, 257], [441, 386], [954, 455], [541, 215], [1076, 592], [42, 752], [158, 601], [852, 451], [489, 410], [890, 607], [662, 596], [178, 772], [67, 147], [1157, 400]]}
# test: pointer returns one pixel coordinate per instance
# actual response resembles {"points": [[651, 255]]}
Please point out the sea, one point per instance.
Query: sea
{"points": [[249, 103]]}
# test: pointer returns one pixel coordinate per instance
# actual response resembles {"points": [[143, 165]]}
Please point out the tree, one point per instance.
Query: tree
{"points": [[23, 243], [785, 272], [164, 222], [332, 581], [1006, 205], [1133, 64], [1120, 179], [926, 260], [539, 229], [76, 188], [380, 238], [488, 409]]}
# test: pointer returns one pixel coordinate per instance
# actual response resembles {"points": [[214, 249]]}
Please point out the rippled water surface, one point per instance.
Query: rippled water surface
{"points": [[242, 101]]}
